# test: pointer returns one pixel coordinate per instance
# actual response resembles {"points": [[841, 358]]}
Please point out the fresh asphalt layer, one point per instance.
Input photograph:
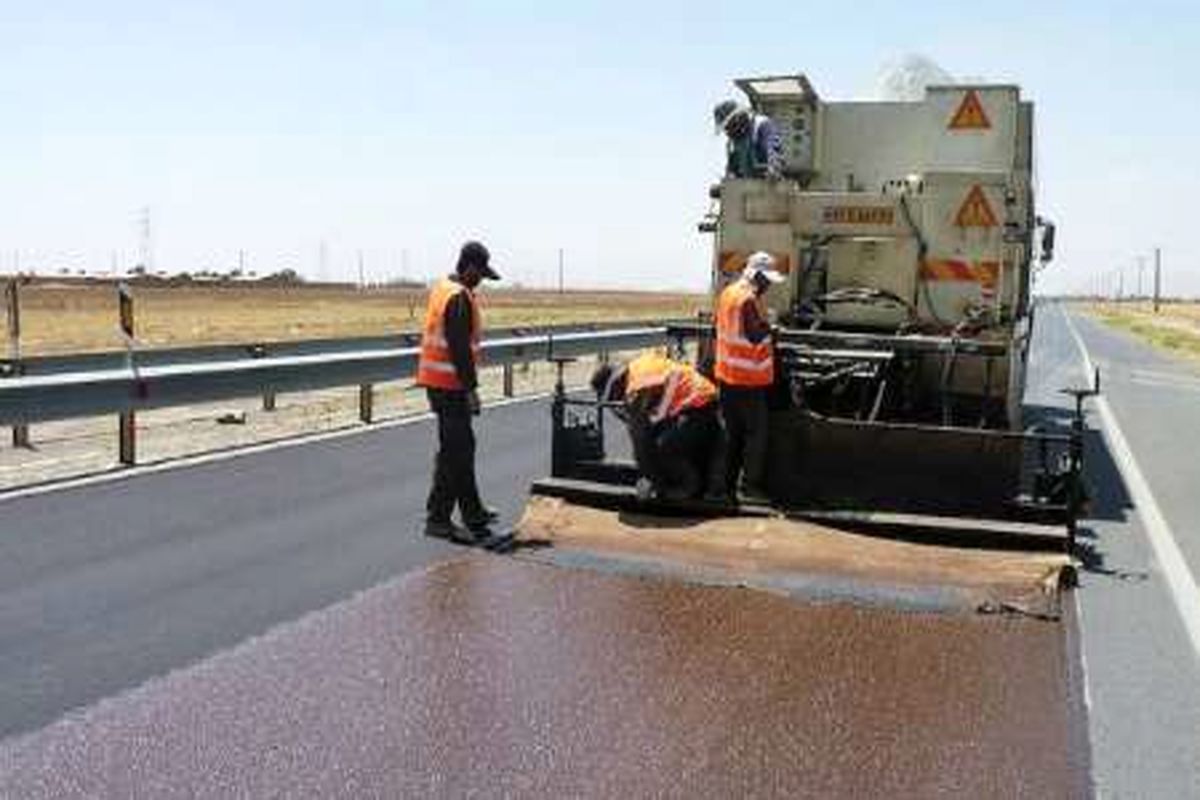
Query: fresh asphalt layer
{"points": [[104, 586]]}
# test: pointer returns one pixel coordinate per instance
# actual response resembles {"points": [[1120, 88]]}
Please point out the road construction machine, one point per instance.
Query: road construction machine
{"points": [[905, 473], [908, 235]]}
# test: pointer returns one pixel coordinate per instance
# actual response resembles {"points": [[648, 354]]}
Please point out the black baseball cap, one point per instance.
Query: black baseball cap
{"points": [[474, 254]]}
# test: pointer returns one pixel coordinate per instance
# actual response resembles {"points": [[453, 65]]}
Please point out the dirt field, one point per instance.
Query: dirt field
{"points": [[57, 318], [1176, 327]]}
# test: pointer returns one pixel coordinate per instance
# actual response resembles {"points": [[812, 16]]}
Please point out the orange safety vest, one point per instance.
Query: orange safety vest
{"points": [[740, 362], [436, 368], [683, 387]]}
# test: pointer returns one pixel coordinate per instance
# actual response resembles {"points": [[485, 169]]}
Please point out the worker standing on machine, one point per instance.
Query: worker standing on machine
{"points": [[670, 410], [447, 366], [745, 370], [755, 148]]}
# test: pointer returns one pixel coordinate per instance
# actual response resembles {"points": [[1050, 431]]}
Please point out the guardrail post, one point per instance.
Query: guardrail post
{"points": [[127, 423], [12, 301], [268, 398], [508, 380], [366, 403], [127, 439]]}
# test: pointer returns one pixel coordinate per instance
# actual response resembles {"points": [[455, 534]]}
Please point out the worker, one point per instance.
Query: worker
{"points": [[447, 370], [745, 371], [670, 410], [754, 147]]}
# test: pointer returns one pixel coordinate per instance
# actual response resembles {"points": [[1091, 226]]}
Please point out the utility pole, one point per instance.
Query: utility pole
{"points": [[560, 270], [242, 263], [1120, 284], [1157, 277], [362, 284], [147, 249], [1141, 269]]}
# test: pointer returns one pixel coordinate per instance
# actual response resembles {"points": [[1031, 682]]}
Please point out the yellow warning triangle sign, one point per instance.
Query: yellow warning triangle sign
{"points": [[976, 212], [970, 115]]}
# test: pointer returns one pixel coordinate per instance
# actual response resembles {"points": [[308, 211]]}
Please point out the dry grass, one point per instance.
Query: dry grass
{"points": [[57, 318], [1176, 327]]}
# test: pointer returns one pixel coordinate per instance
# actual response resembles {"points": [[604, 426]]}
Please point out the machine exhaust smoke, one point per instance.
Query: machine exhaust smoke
{"points": [[905, 78]]}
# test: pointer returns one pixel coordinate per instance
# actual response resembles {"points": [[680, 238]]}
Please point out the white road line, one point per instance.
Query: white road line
{"points": [[1179, 384], [120, 474], [1180, 581], [1083, 663], [1159, 375]]}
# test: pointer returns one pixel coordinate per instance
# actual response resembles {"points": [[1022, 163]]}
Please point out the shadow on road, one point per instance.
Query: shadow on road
{"points": [[1109, 499]]}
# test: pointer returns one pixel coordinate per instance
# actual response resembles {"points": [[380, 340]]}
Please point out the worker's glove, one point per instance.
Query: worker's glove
{"points": [[645, 489], [473, 402]]}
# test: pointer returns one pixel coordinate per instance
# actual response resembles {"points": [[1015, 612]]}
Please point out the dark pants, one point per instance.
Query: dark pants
{"points": [[745, 413], [683, 455], [454, 465]]}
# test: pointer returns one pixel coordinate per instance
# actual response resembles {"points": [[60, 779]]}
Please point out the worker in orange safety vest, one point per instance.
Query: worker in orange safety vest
{"points": [[670, 410], [447, 370], [745, 371]]}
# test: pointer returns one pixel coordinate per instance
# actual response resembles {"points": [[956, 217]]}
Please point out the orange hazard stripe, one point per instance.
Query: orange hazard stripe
{"points": [[735, 261], [985, 273]]}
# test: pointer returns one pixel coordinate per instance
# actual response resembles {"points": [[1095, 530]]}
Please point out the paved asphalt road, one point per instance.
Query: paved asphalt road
{"points": [[105, 586], [1141, 669], [102, 587]]}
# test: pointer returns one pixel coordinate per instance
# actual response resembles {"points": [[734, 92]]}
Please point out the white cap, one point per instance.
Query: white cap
{"points": [[761, 263]]}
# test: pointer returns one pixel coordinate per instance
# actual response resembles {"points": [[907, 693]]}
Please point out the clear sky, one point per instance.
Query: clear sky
{"points": [[404, 127]]}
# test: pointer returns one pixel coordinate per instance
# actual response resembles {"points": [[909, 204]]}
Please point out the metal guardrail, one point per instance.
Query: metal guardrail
{"points": [[220, 353], [41, 398]]}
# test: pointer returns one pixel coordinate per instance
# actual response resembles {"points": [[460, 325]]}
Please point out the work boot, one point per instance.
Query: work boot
{"points": [[716, 493], [676, 494], [444, 529], [719, 498], [754, 496], [489, 539], [499, 542], [481, 519]]}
